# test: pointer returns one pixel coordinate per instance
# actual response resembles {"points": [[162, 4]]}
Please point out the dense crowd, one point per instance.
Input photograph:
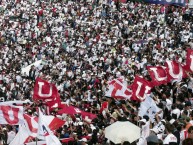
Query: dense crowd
{"points": [[83, 44]]}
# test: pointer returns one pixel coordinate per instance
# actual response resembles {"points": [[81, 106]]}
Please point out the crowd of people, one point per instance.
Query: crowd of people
{"points": [[83, 44]]}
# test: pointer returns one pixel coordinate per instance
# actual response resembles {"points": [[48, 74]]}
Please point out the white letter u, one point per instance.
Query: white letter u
{"points": [[40, 90]]}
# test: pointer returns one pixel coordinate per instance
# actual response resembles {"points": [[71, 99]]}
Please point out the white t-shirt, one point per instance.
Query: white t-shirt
{"points": [[170, 139], [11, 136]]}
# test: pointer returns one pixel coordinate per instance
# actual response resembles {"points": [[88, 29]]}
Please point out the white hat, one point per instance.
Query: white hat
{"points": [[143, 120], [163, 120], [155, 130], [172, 121], [84, 140]]}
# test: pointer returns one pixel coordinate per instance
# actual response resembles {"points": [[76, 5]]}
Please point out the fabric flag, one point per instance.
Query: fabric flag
{"points": [[189, 60], [174, 71], [122, 1], [104, 106], [44, 131], [15, 103], [66, 140], [158, 75], [53, 122], [44, 90], [87, 116], [47, 92], [30, 128], [149, 108], [38, 143], [71, 110], [167, 2], [21, 137], [118, 89], [140, 87], [12, 115]]}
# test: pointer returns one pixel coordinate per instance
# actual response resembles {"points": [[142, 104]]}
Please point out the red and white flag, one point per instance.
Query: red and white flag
{"points": [[29, 129], [118, 89], [38, 143], [46, 92], [174, 71], [189, 60], [44, 131], [15, 103], [140, 88], [104, 106], [12, 115], [71, 110], [22, 136], [158, 75], [87, 116], [32, 123]]}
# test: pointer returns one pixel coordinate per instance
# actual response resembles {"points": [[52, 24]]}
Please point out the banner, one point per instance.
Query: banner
{"points": [[189, 60], [167, 2], [158, 75], [12, 115], [174, 71], [149, 108], [118, 89], [140, 88]]}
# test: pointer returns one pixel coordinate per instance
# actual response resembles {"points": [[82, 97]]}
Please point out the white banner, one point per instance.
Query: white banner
{"points": [[149, 108]]}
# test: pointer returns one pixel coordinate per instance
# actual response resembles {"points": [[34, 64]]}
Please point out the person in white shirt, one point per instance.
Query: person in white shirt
{"points": [[11, 136], [145, 131], [170, 138], [183, 133]]}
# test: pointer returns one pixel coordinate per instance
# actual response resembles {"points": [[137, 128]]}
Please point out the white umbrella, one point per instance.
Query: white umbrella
{"points": [[119, 132]]}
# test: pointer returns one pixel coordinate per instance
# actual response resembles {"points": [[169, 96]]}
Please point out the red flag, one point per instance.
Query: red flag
{"points": [[44, 90], [104, 106], [54, 122], [74, 110], [140, 87], [174, 71], [122, 1], [189, 60], [158, 75], [88, 115], [69, 110], [66, 140], [47, 92]]}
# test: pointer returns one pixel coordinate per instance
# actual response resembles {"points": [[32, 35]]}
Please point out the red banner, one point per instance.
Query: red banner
{"points": [[158, 75], [140, 87]]}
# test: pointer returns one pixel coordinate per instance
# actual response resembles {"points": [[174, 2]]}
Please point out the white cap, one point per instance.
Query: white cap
{"points": [[143, 120], [155, 130], [84, 140], [172, 121]]}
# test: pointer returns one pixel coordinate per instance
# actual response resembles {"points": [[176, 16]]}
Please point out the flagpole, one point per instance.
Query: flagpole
{"points": [[36, 141]]}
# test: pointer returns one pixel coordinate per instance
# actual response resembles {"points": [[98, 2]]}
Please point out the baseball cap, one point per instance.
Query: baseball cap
{"points": [[152, 138]]}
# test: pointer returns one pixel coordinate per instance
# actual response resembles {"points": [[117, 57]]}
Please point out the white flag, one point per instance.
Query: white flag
{"points": [[149, 108], [38, 143], [21, 136], [45, 132]]}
